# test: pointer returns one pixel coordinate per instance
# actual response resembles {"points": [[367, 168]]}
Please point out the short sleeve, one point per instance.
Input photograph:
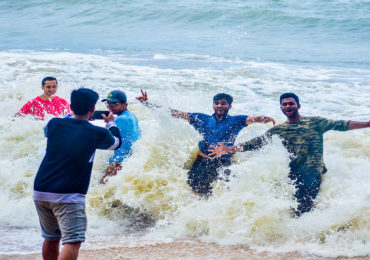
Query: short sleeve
{"points": [[48, 129], [325, 125], [106, 139], [197, 119], [242, 120]]}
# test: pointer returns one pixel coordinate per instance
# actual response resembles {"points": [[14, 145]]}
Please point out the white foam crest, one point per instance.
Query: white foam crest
{"points": [[153, 178], [22, 148], [253, 208], [255, 86]]}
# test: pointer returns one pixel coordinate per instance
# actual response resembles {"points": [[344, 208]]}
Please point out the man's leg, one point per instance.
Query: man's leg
{"points": [[195, 175], [307, 187], [72, 222], [50, 249], [70, 251], [49, 229], [203, 173]]}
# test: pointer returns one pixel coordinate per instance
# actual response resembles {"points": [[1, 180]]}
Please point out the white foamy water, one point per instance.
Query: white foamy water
{"points": [[251, 209]]}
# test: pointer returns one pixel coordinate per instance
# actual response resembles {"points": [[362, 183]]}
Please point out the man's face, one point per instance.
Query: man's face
{"points": [[221, 107], [116, 107], [50, 88], [289, 107]]}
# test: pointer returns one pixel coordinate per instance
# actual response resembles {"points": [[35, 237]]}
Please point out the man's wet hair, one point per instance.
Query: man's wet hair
{"points": [[48, 79], [289, 95], [228, 98], [82, 100]]}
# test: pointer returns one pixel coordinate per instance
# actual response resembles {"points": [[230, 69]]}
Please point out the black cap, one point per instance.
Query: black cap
{"points": [[115, 96]]}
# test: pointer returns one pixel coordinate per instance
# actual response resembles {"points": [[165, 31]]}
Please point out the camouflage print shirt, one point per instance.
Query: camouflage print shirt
{"points": [[303, 139]]}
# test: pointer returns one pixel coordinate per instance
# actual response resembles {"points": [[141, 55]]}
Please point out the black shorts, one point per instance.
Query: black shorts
{"points": [[204, 172]]}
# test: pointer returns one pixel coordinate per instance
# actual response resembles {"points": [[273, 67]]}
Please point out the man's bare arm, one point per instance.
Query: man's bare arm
{"points": [[179, 114], [259, 119], [253, 144], [221, 149], [19, 114], [358, 125], [174, 113]]}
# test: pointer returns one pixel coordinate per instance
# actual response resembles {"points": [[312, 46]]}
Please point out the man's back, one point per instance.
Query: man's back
{"points": [[66, 167]]}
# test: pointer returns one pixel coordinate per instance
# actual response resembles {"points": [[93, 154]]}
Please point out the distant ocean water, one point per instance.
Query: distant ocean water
{"points": [[328, 32], [183, 53]]}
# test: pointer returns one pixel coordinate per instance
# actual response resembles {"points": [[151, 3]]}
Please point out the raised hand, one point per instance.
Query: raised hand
{"points": [[108, 118], [144, 97]]}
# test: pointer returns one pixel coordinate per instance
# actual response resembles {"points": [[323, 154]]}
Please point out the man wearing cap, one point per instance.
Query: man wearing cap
{"points": [[128, 126], [63, 178]]}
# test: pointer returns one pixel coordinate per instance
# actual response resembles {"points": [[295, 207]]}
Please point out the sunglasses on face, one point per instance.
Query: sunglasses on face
{"points": [[112, 104]]}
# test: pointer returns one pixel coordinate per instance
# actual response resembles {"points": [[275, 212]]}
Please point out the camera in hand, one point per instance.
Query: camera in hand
{"points": [[98, 114]]}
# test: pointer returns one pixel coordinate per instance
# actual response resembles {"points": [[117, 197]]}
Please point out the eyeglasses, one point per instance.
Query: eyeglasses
{"points": [[112, 104]]}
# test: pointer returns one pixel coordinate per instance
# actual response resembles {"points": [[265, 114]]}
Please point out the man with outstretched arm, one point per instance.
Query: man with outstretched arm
{"points": [[217, 128], [303, 138], [63, 178]]}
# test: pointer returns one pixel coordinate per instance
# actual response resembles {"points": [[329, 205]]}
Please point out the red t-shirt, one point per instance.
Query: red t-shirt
{"points": [[37, 107]]}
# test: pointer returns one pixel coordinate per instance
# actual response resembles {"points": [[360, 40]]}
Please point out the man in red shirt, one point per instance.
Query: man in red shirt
{"points": [[47, 102]]}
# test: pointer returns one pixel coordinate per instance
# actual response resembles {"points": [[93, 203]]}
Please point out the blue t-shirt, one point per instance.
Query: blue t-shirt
{"points": [[217, 131], [128, 126]]}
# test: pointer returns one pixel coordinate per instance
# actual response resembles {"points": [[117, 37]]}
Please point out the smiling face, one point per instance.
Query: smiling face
{"points": [[221, 108], [290, 108], [50, 88], [116, 107]]}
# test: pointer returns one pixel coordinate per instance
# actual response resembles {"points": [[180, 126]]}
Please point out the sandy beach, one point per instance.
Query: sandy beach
{"points": [[182, 249]]}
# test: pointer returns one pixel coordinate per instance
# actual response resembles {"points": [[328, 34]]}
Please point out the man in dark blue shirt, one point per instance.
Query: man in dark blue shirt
{"points": [[63, 178], [219, 128]]}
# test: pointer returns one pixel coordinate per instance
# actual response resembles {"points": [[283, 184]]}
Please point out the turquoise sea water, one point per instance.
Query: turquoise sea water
{"points": [[183, 53], [328, 32]]}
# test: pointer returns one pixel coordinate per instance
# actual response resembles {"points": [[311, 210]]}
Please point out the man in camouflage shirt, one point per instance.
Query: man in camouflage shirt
{"points": [[303, 137]]}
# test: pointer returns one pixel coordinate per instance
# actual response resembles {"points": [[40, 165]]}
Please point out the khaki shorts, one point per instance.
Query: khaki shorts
{"points": [[66, 221]]}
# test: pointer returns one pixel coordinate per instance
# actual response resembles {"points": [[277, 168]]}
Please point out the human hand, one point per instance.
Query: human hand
{"points": [[221, 149], [144, 97], [111, 171], [260, 119], [108, 118]]}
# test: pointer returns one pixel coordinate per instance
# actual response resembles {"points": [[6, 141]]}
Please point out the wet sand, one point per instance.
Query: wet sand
{"points": [[181, 249]]}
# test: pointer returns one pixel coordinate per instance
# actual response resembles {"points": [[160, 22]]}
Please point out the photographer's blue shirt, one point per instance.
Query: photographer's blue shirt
{"points": [[217, 131], [128, 126]]}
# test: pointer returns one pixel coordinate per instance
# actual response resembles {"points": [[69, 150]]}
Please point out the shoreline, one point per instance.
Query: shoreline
{"points": [[182, 249]]}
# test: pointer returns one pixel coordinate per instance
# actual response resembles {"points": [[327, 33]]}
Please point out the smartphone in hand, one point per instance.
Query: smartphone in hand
{"points": [[97, 114]]}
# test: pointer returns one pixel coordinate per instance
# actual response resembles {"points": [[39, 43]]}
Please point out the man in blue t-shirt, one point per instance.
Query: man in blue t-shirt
{"points": [[63, 178], [128, 126], [219, 128]]}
